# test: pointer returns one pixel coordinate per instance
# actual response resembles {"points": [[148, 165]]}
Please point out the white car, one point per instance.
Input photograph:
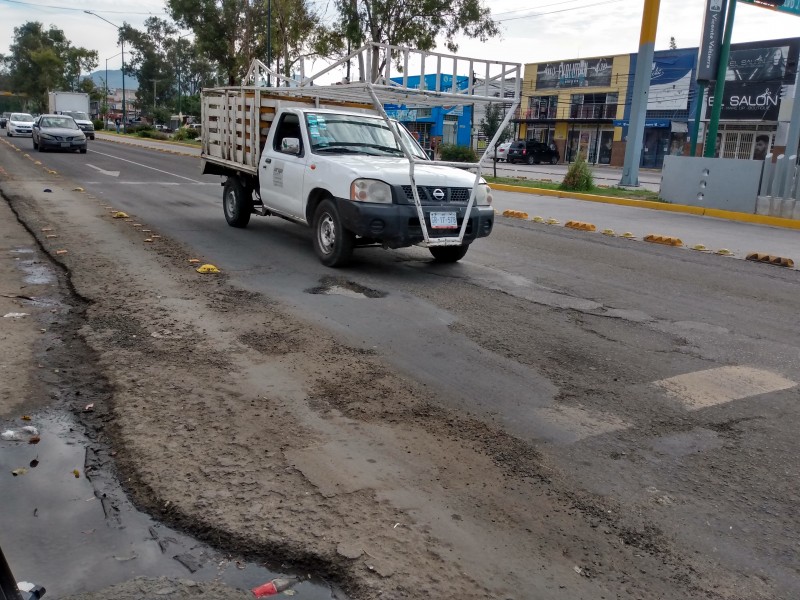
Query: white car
{"points": [[20, 124], [502, 151]]}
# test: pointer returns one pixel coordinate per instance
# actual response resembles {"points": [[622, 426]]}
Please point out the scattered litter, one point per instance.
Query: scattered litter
{"points": [[47, 229], [188, 561], [194, 260], [577, 569], [35, 512], [14, 315], [120, 215], [61, 251], [51, 235], [89, 407], [30, 430], [77, 475], [34, 439], [126, 558], [20, 471], [78, 189], [155, 237], [34, 463], [9, 435], [148, 240], [207, 268], [26, 417], [275, 586]]}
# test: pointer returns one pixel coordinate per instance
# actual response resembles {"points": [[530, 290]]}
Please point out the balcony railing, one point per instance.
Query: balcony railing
{"points": [[533, 114], [593, 111]]}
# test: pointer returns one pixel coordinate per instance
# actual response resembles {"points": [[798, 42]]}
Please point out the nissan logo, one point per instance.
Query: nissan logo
{"points": [[438, 194]]}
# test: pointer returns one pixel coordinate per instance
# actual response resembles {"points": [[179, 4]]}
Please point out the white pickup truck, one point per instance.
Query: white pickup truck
{"points": [[328, 156], [341, 170]]}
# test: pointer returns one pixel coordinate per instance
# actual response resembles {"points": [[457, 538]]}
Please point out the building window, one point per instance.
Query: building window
{"points": [[542, 107], [594, 106]]}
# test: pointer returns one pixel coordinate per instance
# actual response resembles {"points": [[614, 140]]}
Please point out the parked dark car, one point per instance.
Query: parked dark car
{"points": [[58, 132], [531, 152]]}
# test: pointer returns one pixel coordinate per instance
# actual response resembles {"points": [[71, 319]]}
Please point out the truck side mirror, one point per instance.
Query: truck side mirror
{"points": [[290, 145]]}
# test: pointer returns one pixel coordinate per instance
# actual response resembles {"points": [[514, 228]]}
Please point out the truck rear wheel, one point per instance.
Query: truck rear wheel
{"points": [[237, 203], [448, 254], [332, 242]]}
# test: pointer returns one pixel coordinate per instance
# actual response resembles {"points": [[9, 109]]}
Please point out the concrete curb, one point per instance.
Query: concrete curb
{"points": [[115, 138], [680, 208]]}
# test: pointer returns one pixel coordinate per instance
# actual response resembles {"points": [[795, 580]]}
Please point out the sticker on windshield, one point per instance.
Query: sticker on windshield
{"points": [[313, 130], [312, 119]]}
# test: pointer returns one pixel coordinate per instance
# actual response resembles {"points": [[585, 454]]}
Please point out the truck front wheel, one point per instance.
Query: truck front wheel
{"points": [[448, 254], [237, 203], [332, 242]]}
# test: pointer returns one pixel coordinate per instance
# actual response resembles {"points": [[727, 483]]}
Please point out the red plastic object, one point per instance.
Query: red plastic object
{"points": [[273, 587]]}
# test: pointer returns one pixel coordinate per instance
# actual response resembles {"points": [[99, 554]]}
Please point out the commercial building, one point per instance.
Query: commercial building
{"points": [[583, 105]]}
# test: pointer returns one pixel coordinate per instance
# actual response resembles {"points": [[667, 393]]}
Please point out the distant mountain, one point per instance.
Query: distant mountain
{"points": [[114, 79]]}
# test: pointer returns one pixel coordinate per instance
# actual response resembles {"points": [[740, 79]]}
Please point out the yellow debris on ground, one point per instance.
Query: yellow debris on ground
{"points": [[120, 215], [208, 268]]}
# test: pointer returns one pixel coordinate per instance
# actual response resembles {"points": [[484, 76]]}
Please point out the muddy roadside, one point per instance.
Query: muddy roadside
{"points": [[233, 419]]}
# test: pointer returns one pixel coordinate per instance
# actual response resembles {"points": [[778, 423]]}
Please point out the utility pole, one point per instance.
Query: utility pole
{"points": [[710, 147], [269, 41], [122, 41], [641, 89]]}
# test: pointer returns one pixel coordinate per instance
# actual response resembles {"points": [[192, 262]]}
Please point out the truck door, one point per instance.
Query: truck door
{"points": [[281, 174]]}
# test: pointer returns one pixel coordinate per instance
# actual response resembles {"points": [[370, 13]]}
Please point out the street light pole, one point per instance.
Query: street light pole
{"points": [[105, 116], [122, 41]]}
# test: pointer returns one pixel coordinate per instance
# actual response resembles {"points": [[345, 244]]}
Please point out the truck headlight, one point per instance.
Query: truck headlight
{"points": [[370, 190], [483, 195]]}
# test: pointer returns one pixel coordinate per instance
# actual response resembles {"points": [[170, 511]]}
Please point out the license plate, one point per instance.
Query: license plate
{"points": [[443, 220], [65, 144]]}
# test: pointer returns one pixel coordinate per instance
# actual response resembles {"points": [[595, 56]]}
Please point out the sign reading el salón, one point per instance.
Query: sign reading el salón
{"points": [[590, 72]]}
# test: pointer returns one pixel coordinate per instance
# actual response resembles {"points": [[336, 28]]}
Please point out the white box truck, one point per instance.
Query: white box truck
{"points": [[74, 104], [329, 156]]}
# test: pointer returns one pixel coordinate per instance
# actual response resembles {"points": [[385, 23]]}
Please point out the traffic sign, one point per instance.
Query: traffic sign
{"points": [[788, 6]]}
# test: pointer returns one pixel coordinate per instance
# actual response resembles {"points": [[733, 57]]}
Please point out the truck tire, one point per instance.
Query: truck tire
{"points": [[448, 254], [332, 242], [237, 203]]}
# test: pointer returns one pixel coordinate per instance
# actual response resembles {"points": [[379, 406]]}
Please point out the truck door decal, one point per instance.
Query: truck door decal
{"points": [[277, 174]]}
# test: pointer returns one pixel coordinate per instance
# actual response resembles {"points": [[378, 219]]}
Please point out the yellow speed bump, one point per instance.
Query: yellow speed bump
{"points": [[515, 214], [207, 268], [700, 248], [609, 232], [78, 189], [552, 221], [120, 215], [724, 252], [628, 235], [538, 219], [666, 240], [580, 225], [778, 261]]}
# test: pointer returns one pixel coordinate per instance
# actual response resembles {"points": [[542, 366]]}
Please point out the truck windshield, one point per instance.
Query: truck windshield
{"points": [[332, 133]]}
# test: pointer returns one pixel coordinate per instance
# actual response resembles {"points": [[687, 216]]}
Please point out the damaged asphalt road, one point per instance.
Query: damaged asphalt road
{"points": [[571, 464]]}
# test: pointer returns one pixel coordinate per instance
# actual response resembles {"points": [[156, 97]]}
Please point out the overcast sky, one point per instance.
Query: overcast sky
{"points": [[545, 30]]}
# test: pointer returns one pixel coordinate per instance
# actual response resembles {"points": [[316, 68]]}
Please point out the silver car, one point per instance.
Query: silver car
{"points": [[19, 124], [58, 132]]}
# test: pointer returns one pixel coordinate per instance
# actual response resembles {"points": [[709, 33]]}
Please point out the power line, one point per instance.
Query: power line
{"points": [[552, 12], [122, 12], [508, 12]]}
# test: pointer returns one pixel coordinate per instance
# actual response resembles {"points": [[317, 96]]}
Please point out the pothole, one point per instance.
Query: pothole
{"points": [[338, 286]]}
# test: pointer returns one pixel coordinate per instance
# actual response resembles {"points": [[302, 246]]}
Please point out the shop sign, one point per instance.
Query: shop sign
{"points": [[670, 82], [750, 101], [591, 72]]}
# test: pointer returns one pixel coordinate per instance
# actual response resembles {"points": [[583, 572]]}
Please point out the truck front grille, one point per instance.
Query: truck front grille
{"points": [[452, 195]]}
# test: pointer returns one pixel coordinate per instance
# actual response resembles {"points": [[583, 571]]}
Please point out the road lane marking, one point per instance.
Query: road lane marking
{"points": [[145, 166], [104, 172], [711, 387]]}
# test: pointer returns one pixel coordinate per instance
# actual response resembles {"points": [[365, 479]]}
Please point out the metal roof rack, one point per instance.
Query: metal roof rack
{"points": [[441, 81]]}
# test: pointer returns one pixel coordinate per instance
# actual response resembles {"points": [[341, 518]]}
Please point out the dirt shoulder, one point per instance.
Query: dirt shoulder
{"points": [[265, 436]]}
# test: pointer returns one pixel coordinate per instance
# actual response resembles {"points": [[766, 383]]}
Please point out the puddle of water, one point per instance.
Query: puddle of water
{"points": [[55, 530], [36, 272]]}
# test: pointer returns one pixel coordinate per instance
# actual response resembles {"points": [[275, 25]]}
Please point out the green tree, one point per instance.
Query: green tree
{"points": [[42, 60], [415, 23], [150, 62], [490, 123], [229, 32], [297, 33]]}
